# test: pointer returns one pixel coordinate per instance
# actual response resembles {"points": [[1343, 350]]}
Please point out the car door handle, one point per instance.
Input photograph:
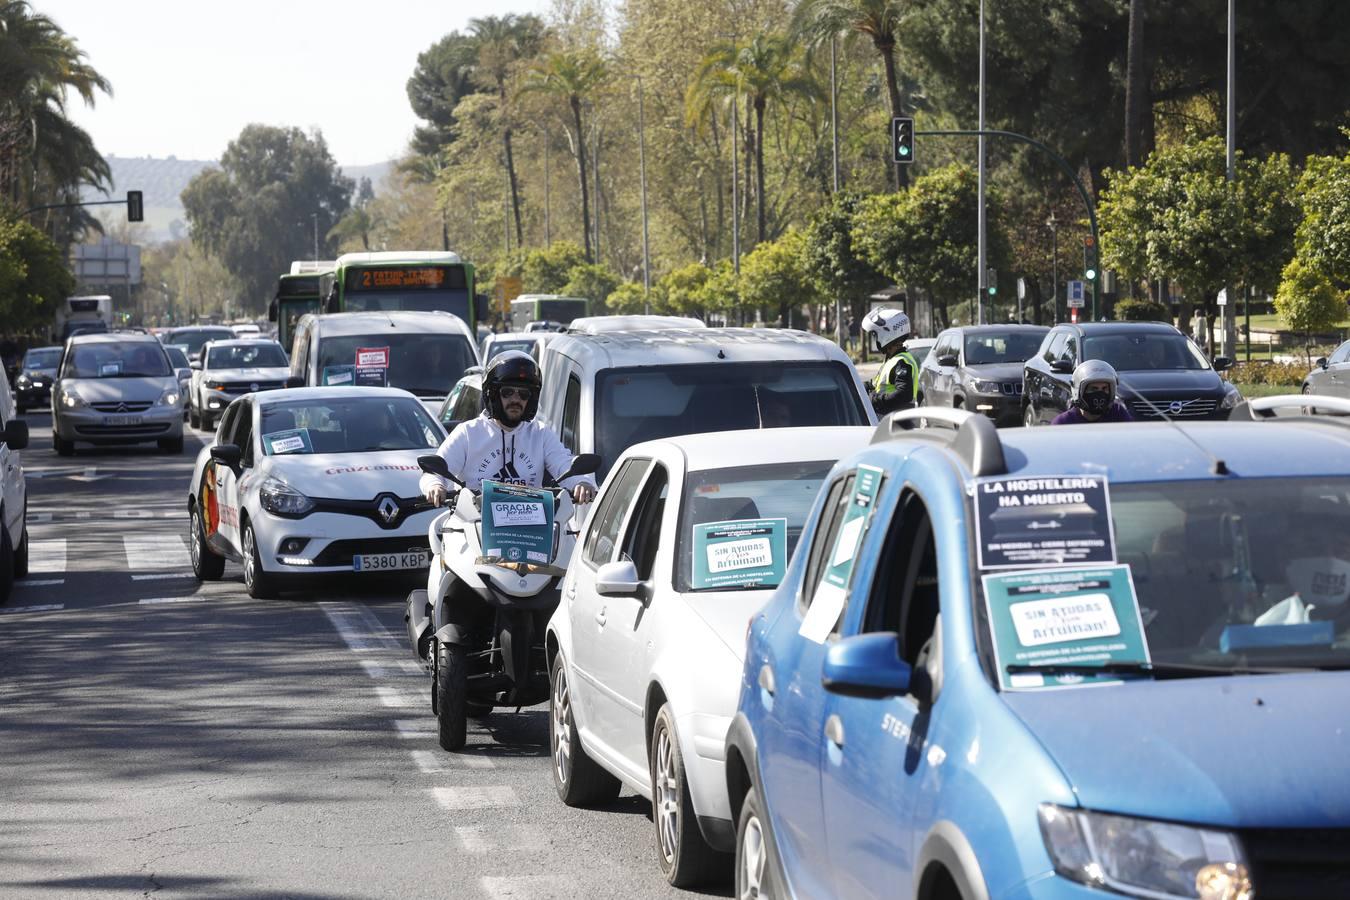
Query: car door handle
{"points": [[834, 731], [766, 679], [600, 617]]}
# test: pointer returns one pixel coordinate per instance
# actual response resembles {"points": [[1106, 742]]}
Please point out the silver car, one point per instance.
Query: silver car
{"points": [[1331, 377], [116, 388]]}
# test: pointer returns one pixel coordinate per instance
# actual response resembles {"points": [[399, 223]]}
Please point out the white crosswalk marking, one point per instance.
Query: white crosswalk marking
{"points": [[47, 557], [534, 887], [499, 836], [156, 551], [414, 728], [431, 763], [403, 668], [395, 698], [360, 629], [457, 799]]}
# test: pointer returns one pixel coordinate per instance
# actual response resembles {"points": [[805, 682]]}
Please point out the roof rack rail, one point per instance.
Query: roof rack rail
{"points": [[1259, 409], [972, 435]]}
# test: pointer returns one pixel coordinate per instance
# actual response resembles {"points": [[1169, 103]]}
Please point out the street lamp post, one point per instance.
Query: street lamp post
{"points": [[642, 177], [980, 267], [1230, 142], [1053, 225]]}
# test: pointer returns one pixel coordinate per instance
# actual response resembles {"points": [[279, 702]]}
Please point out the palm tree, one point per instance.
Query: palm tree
{"points": [[572, 76], [503, 41], [764, 68], [875, 20]]}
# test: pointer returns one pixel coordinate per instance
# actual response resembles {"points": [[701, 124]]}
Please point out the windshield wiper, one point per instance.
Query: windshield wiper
{"points": [[1157, 670]]}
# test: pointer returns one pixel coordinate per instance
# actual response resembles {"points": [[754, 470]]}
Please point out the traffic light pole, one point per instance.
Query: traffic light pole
{"points": [[1063, 164], [133, 203]]}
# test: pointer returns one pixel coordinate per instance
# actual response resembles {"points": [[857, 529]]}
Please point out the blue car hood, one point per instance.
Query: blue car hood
{"points": [[1240, 751]]}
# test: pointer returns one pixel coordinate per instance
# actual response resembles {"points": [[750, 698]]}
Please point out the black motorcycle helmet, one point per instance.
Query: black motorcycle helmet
{"points": [[515, 368]]}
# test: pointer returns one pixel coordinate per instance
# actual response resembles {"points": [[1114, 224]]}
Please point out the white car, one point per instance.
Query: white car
{"points": [[13, 494], [311, 481], [684, 545], [227, 369]]}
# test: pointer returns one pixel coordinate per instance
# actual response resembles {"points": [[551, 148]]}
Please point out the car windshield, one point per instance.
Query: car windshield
{"points": [[1141, 351], [427, 365], [743, 494], [346, 425], [919, 353], [1239, 573], [246, 356], [988, 348], [530, 347], [138, 359], [177, 358], [194, 338], [644, 404], [42, 359]]}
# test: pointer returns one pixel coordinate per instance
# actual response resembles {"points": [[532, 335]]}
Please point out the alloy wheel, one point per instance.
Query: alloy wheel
{"points": [[562, 728], [195, 541], [666, 796], [249, 572], [753, 857]]}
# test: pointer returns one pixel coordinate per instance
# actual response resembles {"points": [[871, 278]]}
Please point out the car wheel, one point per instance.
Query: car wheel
{"points": [[62, 447], [208, 422], [171, 445], [194, 419], [1029, 417], [683, 855], [452, 683], [6, 565], [206, 564], [754, 867], [260, 585], [20, 408], [578, 779], [21, 555]]}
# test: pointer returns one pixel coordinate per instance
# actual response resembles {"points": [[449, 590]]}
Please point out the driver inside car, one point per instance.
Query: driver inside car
{"points": [[504, 443]]}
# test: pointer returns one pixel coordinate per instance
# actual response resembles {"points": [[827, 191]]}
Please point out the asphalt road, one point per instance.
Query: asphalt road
{"points": [[164, 738]]}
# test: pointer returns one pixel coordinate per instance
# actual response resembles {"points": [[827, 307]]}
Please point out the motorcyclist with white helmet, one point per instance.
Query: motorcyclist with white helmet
{"points": [[896, 385], [1094, 396], [504, 443]]}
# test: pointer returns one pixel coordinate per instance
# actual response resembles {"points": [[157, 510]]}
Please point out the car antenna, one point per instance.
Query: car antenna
{"points": [[1217, 465]]}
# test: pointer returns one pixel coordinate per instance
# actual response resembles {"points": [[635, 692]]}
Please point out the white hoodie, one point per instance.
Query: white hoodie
{"points": [[482, 450]]}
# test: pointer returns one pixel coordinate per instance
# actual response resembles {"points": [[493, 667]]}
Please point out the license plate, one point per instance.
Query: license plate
{"points": [[121, 420], [387, 562]]}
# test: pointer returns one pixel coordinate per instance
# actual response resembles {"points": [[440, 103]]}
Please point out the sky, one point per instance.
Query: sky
{"points": [[188, 76]]}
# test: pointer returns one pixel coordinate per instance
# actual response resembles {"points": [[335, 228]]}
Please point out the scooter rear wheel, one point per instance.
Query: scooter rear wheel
{"points": [[452, 683]]}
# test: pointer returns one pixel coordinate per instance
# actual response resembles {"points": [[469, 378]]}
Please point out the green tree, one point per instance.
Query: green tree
{"points": [[721, 293], [1307, 302], [626, 299], [256, 212], [830, 257], [684, 290], [593, 281], [546, 270], [1324, 234], [774, 278], [444, 75], [572, 76], [354, 229], [34, 277]]}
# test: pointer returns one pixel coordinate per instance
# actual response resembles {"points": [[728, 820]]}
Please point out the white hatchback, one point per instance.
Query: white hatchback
{"points": [[685, 543], [311, 481]]}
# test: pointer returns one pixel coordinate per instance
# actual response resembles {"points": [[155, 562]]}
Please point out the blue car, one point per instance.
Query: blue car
{"points": [[1058, 663]]}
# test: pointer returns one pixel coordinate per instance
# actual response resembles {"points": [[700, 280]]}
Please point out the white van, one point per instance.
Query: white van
{"points": [[605, 392], [13, 494], [423, 353]]}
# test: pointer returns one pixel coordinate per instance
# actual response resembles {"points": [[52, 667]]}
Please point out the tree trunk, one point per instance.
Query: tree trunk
{"points": [[750, 138], [759, 167], [1136, 87], [515, 186], [581, 175], [886, 47]]}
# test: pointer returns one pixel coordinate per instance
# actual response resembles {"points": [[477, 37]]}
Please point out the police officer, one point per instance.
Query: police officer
{"points": [[896, 385]]}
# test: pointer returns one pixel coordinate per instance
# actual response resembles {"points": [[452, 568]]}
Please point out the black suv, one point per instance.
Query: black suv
{"points": [[1162, 372], [980, 368]]}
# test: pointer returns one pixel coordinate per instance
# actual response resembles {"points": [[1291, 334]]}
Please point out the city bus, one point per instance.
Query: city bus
{"points": [[409, 280], [297, 294], [529, 308]]}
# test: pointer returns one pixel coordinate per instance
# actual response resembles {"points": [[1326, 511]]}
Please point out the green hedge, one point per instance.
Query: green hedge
{"points": [[1276, 373]]}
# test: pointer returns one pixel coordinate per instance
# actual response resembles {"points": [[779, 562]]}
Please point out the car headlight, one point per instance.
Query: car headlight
{"points": [[212, 385], [1144, 858], [169, 397], [72, 400], [1231, 399], [988, 387], [22, 380], [280, 499]]}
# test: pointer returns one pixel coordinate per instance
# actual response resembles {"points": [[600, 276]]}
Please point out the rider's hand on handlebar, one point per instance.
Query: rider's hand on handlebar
{"points": [[583, 493], [436, 495]]}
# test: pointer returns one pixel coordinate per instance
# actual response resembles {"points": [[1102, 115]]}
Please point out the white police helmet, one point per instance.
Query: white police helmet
{"points": [[884, 326]]}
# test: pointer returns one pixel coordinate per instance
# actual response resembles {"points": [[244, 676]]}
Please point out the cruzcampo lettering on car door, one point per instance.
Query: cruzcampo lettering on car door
{"points": [[833, 589]]}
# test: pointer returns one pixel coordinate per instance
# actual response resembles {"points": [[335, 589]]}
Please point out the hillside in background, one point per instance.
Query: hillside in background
{"points": [[163, 180]]}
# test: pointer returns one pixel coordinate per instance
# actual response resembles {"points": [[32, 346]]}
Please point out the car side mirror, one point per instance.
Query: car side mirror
{"points": [[16, 434], [228, 455], [195, 365], [1321, 362], [1062, 366], [617, 579], [582, 464], [272, 310], [473, 370], [947, 360], [294, 381], [867, 666], [1222, 362]]}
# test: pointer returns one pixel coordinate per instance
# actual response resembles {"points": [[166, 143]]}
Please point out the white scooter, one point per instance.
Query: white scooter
{"points": [[478, 628]]}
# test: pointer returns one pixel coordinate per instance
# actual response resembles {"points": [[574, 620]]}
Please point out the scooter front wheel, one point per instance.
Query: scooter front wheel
{"points": [[452, 684]]}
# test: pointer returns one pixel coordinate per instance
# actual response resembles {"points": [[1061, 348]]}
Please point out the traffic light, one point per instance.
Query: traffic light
{"points": [[1089, 258], [135, 206], [991, 279], [902, 140]]}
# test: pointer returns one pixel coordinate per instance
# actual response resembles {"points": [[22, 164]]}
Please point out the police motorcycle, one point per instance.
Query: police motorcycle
{"points": [[478, 628]]}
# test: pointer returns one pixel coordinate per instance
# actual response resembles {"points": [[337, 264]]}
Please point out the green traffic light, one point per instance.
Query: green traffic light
{"points": [[904, 151], [1090, 274]]}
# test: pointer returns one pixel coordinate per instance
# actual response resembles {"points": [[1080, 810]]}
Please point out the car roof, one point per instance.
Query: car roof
{"points": [[114, 337], [725, 449], [36, 349], [520, 336], [330, 393], [605, 324], [1122, 327], [414, 322], [243, 342], [394, 257], [1000, 329], [182, 328], [682, 346]]}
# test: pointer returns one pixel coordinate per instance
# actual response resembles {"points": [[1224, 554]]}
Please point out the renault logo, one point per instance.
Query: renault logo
{"points": [[388, 509]]}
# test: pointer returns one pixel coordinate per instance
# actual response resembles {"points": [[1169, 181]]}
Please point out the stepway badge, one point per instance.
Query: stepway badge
{"points": [[1059, 520]]}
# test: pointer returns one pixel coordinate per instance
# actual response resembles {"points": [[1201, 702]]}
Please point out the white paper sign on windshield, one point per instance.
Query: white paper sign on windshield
{"points": [[507, 515]]}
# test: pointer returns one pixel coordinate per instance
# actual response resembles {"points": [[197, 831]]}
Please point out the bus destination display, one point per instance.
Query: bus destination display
{"points": [[405, 278]]}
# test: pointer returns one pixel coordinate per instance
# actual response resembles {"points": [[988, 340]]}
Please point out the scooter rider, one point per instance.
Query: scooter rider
{"points": [[896, 385], [1094, 396], [504, 443]]}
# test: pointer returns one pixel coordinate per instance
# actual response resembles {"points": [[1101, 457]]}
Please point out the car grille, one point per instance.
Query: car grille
{"points": [[122, 406], [370, 509], [247, 387], [1298, 863], [1175, 407], [340, 553], [1012, 388], [122, 430]]}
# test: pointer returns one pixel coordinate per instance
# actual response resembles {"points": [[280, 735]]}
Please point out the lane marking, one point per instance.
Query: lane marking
{"points": [[499, 836], [458, 799], [430, 763], [359, 628], [133, 512], [44, 608], [47, 557], [414, 728], [153, 600], [156, 551], [39, 518], [394, 698], [48, 582], [534, 887], [161, 576], [386, 669]]}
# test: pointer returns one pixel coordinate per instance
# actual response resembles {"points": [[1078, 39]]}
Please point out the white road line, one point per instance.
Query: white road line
{"points": [[22, 609], [499, 836], [47, 557], [159, 576], [431, 763], [359, 628], [534, 887], [156, 551], [82, 514], [133, 512], [403, 668], [153, 600], [39, 518], [395, 699], [457, 799], [414, 728], [46, 582]]}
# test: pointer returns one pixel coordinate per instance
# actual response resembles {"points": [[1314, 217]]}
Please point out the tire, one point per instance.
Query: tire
{"points": [[1029, 417], [171, 445], [578, 779], [683, 855], [206, 564], [21, 555], [260, 585], [62, 447], [452, 683], [477, 710], [193, 418], [208, 423], [6, 564], [755, 876]]}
